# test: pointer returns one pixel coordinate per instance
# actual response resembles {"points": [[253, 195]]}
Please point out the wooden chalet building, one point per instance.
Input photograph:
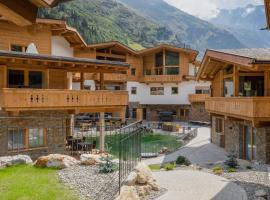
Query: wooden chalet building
{"points": [[239, 104], [159, 80], [37, 98]]}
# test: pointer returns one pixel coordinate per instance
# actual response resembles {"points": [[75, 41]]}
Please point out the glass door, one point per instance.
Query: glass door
{"points": [[248, 147]]}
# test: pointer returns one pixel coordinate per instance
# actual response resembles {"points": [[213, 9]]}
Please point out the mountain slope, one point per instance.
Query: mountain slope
{"points": [[194, 31], [245, 23], [140, 23], [106, 20]]}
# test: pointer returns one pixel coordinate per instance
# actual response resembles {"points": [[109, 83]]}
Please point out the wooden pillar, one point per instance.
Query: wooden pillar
{"points": [[82, 81], [266, 80], [102, 131], [122, 114], [235, 81], [139, 114], [164, 60], [101, 81]]}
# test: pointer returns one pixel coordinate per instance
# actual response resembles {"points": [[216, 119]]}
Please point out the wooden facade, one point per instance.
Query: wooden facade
{"points": [[239, 103]]}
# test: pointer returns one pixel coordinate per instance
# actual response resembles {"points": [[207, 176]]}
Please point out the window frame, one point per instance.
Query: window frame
{"points": [[132, 91], [176, 92], [157, 91], [14, 148], [133, 72], [41, 134], [219, 125], [24, 47]]}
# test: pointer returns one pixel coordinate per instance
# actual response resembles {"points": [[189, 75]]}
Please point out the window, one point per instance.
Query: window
{"points": [[15, 78], [159, 59], [117, 87], [202, 91], [219, 125], [133, 71], [172, 70], [35, 79], [36, 137], [156, 91], [133, 90], [174, 90], [172, 58], [18, 48], [16, 139]]}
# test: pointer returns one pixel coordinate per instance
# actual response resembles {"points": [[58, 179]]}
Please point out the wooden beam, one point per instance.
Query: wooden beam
{"points": [[235, 80], [107, 55], [20, 12]]}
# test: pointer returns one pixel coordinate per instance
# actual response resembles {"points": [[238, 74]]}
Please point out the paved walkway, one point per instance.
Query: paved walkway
{"points": [[199, 151], [196, 185]]}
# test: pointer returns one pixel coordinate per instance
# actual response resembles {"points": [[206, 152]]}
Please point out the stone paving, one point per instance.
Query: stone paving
{"points": [[196, 185], [199, 151]]}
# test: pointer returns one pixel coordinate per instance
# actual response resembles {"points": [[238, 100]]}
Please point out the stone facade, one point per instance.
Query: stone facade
{"points": [[54, 122], [234, 138], [198, 113]]}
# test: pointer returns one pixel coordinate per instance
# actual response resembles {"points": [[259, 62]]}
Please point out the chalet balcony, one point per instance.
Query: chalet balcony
{"points": [[198, 98], [240, 107], [51, 99], [161, 78], [113, 77]]}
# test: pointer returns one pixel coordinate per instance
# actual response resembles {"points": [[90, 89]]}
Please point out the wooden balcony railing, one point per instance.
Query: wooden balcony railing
{"points": [[161, 78], [112, 77], [242, 107], [42, 99], [197, 98]]}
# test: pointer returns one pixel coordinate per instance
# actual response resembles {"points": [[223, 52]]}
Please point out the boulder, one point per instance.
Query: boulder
{"points": [[261, 193], [56, 161], [91, 158], [131, 179], [15, 160], [128, 193], [154, 185], [144, 173], [89, 162]]}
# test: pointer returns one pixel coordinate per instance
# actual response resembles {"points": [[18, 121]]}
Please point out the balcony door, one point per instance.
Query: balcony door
{"points": [[249, 147]]}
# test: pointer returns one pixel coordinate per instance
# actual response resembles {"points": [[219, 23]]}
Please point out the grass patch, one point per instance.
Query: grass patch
{"points": [[218, 170], [169, 166], [155, 167], [148, 140], [25, 182]]}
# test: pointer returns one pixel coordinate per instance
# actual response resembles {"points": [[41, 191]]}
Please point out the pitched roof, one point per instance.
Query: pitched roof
{"points": [[47, 3], [259, 54]]}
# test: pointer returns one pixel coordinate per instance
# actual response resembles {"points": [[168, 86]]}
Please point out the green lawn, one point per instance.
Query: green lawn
{"points": [[150, 142], [26, 182]]}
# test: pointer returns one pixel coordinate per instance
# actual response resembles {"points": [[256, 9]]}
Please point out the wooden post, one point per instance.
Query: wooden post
{"points": [[139, 114], [82, 81], [101, 132], [235, 81], [266, 79], [164, 61], [122, 114], [102, 81]]}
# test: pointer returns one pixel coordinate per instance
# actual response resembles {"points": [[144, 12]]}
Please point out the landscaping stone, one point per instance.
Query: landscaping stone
{"points": [[131, 179], [56, 161], [144, 173], [261, 193], [154, 185], [128, 193], [7, 161]]}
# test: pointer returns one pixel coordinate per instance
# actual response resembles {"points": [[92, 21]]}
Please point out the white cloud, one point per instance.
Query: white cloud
{"points": [[207, 9]]}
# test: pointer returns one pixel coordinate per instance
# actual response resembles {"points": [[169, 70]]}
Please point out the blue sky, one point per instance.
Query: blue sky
{"points": [[207, 9]]}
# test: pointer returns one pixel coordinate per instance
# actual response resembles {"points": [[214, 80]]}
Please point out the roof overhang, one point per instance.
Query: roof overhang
{"points": [[213, 62], [192, 53], [24, 12], [65, 63]]}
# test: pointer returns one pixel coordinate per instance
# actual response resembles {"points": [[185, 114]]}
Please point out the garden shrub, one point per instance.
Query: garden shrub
{"points": [[108, 166], [181, 160], [249, 167], [231, 170], [232, 161], [218, 170], [169, 166]]}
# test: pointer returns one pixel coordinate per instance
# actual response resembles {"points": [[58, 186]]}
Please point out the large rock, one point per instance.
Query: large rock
{"points": [[261, 193], [154, 185], [128, 193], [56, 161], [144, 173], [93, 158], [15, 160], [131, 179]]}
